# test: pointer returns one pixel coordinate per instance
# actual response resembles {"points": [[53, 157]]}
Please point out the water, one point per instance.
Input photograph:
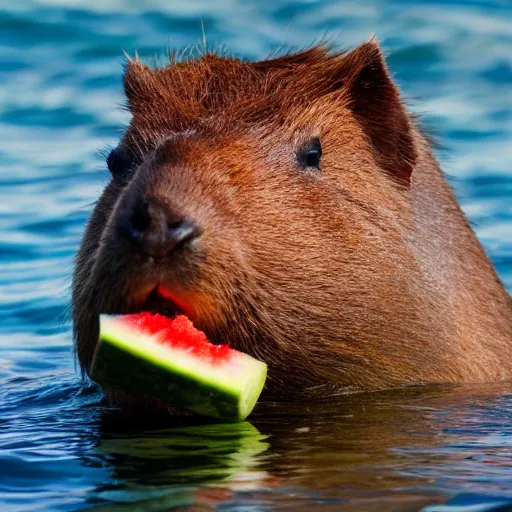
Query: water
{"points": [[61, 448]]}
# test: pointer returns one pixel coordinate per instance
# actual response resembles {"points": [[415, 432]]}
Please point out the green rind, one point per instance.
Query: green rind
{"points": [[123, 360], [113, 330]]}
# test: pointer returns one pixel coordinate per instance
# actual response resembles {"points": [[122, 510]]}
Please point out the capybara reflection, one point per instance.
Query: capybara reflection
{"points": [[293, 208]]}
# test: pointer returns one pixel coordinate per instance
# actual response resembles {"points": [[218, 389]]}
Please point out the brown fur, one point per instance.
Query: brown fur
{"points": [[363, 275]]}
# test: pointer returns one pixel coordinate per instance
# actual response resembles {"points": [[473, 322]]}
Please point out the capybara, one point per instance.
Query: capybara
{"points": [[293, 208]]}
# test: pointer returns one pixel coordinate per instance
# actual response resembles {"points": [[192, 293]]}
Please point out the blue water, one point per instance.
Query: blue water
{"points": [[61, 448]]}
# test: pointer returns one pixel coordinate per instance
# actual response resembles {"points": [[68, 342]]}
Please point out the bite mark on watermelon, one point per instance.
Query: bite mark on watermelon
{"points": [[179, 333]]}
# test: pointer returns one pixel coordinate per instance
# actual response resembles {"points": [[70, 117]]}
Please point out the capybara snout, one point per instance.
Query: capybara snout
{"points": [[153, 229], [293, 207]]}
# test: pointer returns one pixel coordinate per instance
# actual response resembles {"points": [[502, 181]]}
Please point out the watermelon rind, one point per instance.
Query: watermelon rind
{"points": [[135, 362]]}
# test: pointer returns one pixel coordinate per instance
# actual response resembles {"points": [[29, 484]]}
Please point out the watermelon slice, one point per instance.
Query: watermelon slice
{"points": [[170, 359]]}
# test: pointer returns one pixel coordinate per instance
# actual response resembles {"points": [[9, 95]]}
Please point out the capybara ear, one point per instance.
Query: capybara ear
{"points": [[375, 101], [140, 84]]}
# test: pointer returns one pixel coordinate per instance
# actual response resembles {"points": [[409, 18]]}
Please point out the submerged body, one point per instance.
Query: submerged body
{"points": [[293, 208]]}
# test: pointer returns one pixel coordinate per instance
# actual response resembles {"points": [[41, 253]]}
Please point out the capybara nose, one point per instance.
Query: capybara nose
{"points": [[154, 231]]}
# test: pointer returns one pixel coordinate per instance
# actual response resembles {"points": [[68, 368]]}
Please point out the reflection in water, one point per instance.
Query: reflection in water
{"points": [[387, 451], [179, 465]]}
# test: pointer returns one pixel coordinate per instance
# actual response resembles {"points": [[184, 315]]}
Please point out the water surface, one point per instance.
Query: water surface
{"points": [[61, 448]]}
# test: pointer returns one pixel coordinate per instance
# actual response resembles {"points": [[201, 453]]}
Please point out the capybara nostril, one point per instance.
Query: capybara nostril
{"points": [[140, 219], [181, 232], [154, 231], [133, 224], [163, 237]]}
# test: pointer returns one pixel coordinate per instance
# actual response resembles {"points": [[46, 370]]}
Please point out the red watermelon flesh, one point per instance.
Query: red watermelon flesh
{"points": [[179, 333]]}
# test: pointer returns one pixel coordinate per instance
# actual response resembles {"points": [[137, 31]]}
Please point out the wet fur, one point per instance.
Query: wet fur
{"points": [[364, 276]]}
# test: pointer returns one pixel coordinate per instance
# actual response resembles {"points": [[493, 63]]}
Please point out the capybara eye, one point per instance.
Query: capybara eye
{"points": [[311, 154], [118, 162]]}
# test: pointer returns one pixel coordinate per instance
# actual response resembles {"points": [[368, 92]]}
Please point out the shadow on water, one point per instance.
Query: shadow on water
{"points": [[400, 451]]}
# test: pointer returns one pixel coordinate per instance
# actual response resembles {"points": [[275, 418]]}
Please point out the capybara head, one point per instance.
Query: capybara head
{"points": [[270, 203]]}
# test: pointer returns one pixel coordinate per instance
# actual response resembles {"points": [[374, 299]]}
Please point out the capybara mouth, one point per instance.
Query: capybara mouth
{"points": [[165, 302], [156, 303], [175, 301]]}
